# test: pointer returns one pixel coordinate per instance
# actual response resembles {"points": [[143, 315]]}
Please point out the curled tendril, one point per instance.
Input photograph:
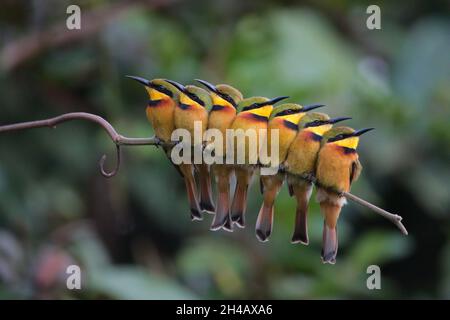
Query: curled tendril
{"points": [[116, 169]]}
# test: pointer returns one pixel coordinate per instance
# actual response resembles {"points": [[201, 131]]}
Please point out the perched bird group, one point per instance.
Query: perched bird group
{"points": [[310, 152]]}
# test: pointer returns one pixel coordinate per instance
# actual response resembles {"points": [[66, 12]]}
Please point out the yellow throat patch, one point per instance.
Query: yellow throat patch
{"points": [[218, 100], [351, 142], [263, 111], [156, 95], [184, 99], [320, 130], [294, 118]]}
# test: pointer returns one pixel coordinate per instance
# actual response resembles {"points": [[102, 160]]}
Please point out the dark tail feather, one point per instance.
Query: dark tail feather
{"points": [[196, 213], [291, 190], [264, 222], [222, 217], [330, 244], [300, 234], [228, 226], [239, 204], [301, 225], [206, 202]]}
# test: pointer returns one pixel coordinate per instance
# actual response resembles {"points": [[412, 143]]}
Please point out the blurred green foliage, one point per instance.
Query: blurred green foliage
{"points": [[132, 236]]}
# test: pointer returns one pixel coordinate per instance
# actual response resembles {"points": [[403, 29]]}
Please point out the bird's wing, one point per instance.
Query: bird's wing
{"points": [[355, 170]]}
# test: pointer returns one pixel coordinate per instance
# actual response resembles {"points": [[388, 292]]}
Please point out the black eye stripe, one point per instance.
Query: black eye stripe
{"points": [[162, 89], [251, 107], [228, 98], [288, 112], [315, 123], [340, 137], [194, 97]]}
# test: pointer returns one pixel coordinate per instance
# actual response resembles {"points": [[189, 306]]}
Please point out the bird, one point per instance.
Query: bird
{"points": [[337, 168], [254, 114], [163, 98], [161, 106], [283, 118], [300, 166], [193, 106], [225, 99]]}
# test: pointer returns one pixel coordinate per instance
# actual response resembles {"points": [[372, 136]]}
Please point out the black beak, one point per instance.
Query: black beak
{"points": [[145, 82], [336, 120], [361, 131], [273, 101], [177, 85], [208, 85], [312, 107]]}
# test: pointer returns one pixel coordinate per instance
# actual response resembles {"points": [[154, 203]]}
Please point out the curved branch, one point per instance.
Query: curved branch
{"points": [[116, 169], [120, 140], [117, 138], [394, 218]]}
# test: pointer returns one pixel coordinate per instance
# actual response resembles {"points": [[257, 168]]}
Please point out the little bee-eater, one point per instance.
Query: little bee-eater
{"points": [[254, 115], [337, 168], [283, 118], [192, 106], [300, 166], [224, 99], [160, 110], [161, 106]]}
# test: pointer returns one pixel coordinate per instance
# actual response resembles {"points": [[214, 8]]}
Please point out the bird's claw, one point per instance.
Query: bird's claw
{"points": [[158, 142]]}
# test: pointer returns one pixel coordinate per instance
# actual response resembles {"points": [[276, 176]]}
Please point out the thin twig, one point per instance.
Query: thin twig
{"points": [[117, 138], [394, 218]]}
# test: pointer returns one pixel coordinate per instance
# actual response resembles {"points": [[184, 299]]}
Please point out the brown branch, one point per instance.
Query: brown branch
{"points": [[118, 139], [394, 218]]}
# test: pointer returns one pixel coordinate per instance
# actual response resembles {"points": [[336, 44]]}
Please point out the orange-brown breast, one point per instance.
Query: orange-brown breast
{"points": [[285, 137], [303, 153], [222, 120], [161, 117], [186, 118], [247, 120], [334, 166]]}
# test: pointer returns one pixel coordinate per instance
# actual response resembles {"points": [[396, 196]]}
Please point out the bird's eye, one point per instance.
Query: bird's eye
{"points": [[196, 99], [162, 89], [228, 98]]}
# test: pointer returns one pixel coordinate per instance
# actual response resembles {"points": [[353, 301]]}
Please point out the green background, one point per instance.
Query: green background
{"points": [[132, 235]]}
